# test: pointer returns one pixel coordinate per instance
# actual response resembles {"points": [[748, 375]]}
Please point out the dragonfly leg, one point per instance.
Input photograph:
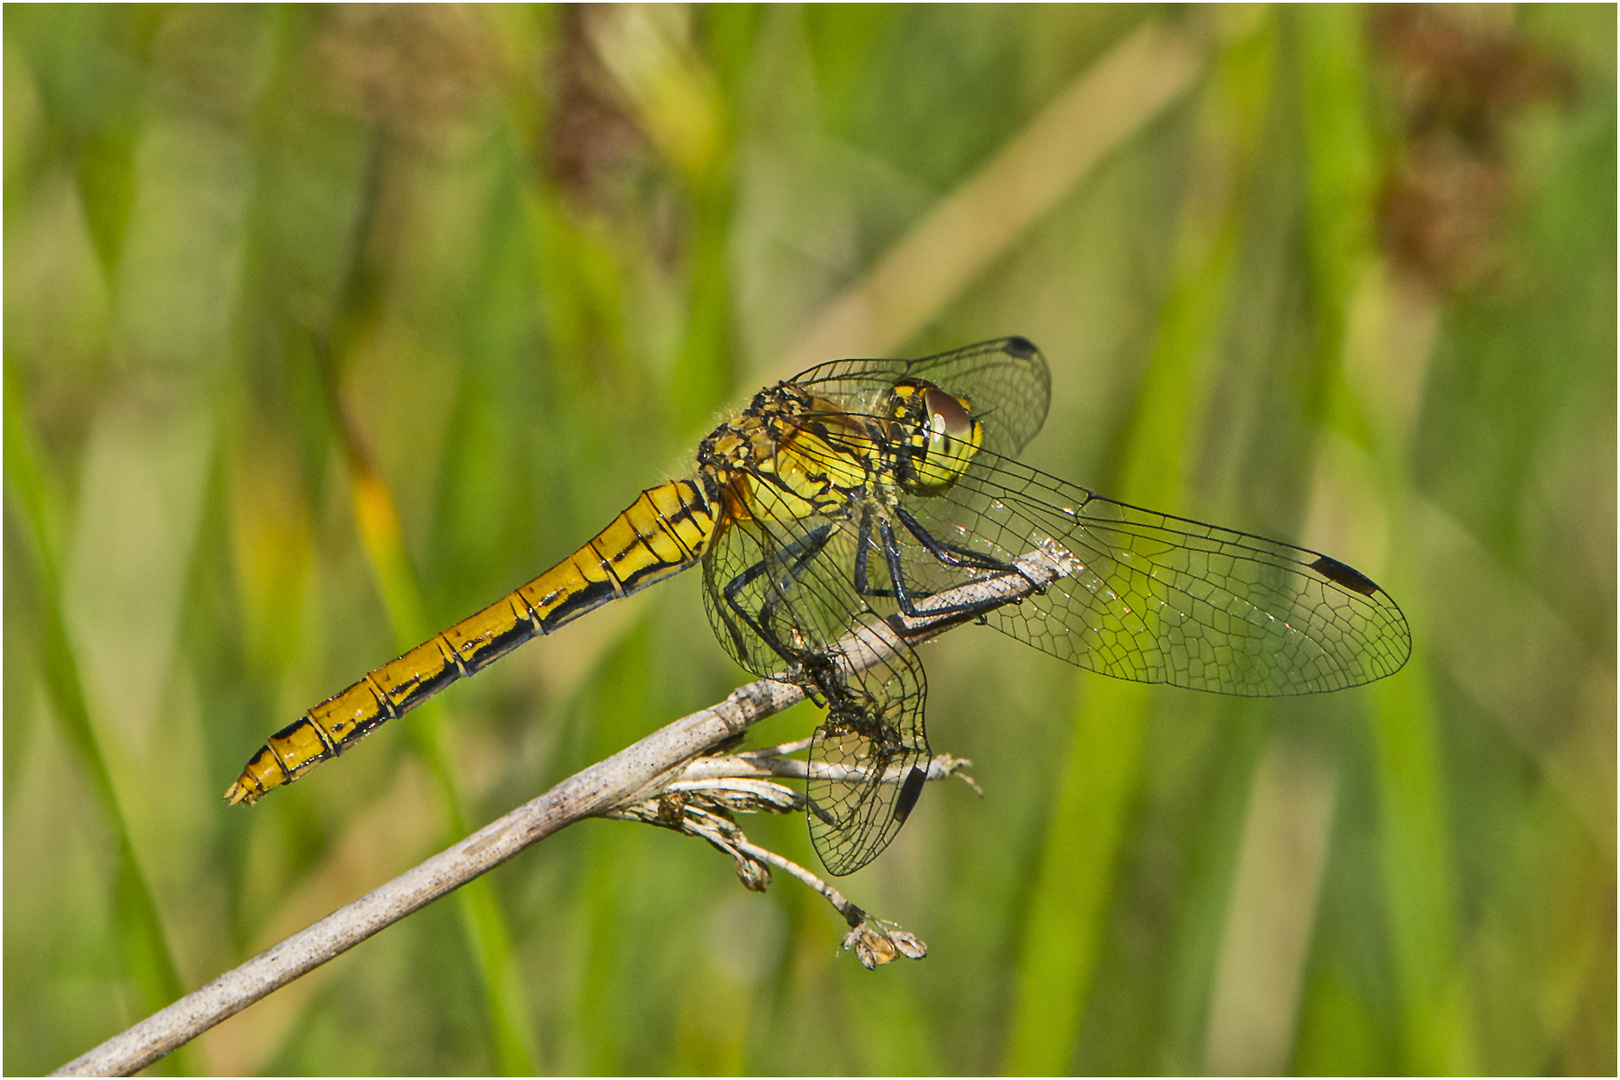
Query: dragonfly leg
{"points": [[863, 585], [863, 545], [904, 595], [947, 553]]}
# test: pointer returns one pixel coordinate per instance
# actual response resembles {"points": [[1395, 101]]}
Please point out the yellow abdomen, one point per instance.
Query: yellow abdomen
{"points": [[666, 530]]}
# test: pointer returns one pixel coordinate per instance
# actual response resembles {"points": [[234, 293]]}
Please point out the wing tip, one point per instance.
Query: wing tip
{"points": [[1018, 345]]}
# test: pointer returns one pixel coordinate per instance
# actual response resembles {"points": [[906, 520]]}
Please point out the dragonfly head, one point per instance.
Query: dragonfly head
{"points": [[939, 434]]}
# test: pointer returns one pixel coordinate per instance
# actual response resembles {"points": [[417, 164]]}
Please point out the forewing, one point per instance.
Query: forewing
{"points": [[1161, 599], [1006, 380]]}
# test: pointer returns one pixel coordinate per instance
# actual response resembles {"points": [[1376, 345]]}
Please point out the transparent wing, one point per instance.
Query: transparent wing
{"points": [[1161, 599], [869, 758], [780, 591], [1006, 381]]}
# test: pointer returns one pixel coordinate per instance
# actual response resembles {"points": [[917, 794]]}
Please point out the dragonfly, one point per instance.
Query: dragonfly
{"points": [[850, 496]]}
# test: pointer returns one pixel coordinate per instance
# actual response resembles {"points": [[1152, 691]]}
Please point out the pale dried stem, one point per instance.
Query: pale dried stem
{"points": [[628, 777]]}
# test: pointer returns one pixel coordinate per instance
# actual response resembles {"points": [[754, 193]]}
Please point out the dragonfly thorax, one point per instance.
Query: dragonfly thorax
{"points": [[789, 455]]}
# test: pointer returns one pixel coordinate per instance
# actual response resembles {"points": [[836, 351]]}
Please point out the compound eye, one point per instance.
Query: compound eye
{"points": [[942, 444], [947, 416]]}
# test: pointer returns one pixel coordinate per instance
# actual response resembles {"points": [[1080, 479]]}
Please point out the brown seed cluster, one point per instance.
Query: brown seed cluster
{"points": [[1457, 87]]}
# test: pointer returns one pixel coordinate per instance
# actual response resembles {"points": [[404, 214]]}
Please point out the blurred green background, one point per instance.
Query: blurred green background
{"points": [[326, 326]]}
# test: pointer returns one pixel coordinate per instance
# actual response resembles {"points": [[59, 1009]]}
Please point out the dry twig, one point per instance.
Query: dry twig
{"points": [[614, 786]]}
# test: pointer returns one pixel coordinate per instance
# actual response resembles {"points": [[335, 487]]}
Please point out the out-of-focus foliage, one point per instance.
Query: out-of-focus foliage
{"points": [[325, 326]]}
